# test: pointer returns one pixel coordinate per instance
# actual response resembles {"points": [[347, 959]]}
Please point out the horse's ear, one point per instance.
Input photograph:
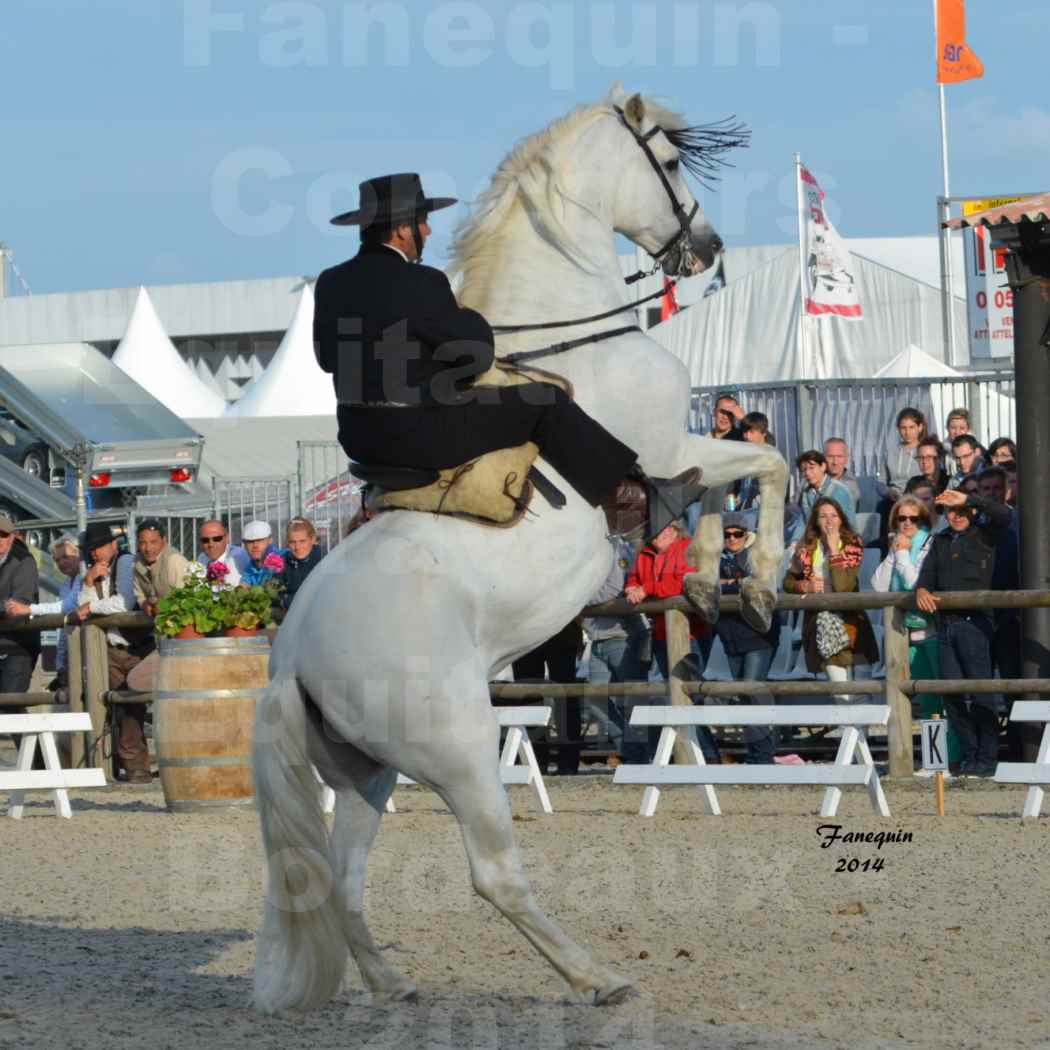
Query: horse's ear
{"points": [[634, 111]]}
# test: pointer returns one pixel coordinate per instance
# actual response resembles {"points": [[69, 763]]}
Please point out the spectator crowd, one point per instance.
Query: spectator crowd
{"points": [[101, 575], [938, 514]]}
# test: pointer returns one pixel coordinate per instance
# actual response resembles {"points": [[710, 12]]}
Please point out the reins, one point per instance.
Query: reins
{"points": [[680, 239]]}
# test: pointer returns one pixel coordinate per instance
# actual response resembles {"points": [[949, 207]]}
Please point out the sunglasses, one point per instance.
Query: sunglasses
{"points": [[212, 539], [6, 535], [734, 534], [914, 518]]}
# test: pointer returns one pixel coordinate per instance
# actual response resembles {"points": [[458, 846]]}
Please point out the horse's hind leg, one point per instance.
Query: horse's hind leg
{"points": [[362, 788], [479, 801]]}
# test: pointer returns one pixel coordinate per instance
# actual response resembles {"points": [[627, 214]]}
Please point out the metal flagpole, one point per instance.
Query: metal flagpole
{"points": [[802, 349], [944, 236]]}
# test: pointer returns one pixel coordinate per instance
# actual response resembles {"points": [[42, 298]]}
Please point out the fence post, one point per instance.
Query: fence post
{"points": [[88, 680], [80, 743], [805, 417], [895, 651], [977, 419], [678, 648]]}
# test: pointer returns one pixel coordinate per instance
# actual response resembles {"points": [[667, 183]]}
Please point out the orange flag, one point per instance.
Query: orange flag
{"points": [[669, 302], [955, 60]]}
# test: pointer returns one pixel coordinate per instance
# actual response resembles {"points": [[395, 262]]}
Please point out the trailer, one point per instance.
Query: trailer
{"points": [[105, 438]]}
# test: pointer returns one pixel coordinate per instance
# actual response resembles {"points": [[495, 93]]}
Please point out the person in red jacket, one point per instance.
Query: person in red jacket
{"points": [[658, 573]]}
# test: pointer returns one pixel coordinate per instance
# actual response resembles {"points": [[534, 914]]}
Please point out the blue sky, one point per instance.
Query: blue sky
{"points": [[157, 141]]}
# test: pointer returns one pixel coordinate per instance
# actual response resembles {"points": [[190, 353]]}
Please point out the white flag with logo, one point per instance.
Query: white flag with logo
{"points": [[829, 281]]}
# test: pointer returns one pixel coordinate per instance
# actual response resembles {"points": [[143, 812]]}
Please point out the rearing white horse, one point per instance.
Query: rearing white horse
{"points": [[384, 661]]}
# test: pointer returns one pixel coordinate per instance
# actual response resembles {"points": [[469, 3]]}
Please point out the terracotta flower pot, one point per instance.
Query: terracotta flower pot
{"points": [[241, 632], [189, 632]]}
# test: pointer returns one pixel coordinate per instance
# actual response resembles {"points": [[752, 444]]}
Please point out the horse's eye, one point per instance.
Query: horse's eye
{"points": [[671, 165]]}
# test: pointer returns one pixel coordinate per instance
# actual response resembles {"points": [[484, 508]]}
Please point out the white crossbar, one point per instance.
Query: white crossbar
{"points": [[762, 715], [41, 779], [1022, 773], [69, 722], [1030, 711], [811, 773], [1035, 774], [40, 729]]}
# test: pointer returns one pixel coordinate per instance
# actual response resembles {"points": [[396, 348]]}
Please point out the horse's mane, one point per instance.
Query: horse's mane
{"points": [[530, 174]]}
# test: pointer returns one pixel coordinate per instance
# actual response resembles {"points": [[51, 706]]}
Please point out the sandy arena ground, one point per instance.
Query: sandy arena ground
{"points": [[130, 927]]}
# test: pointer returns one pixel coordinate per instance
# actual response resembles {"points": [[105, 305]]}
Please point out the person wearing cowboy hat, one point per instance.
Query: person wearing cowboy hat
{"points": [[402, 353]]}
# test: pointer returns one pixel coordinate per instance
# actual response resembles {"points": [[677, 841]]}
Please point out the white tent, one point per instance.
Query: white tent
{"points": [[748, 331], [148, 356], [293, 383], [992, 414]]}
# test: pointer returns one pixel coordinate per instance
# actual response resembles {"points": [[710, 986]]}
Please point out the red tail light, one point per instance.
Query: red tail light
{"points": [[99, 480], [180, 474]]}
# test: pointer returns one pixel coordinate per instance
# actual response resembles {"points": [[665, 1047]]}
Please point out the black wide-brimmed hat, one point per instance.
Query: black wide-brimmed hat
{"points": [[97, 534], [390, 199]]}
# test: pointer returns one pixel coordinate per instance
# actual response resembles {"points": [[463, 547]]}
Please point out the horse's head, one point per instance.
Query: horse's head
{"points": [[654, 206]]}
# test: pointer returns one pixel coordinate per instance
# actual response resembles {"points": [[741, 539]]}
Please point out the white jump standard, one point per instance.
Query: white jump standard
{"points": [[679, 721], [41, 728], [1036, 774]]}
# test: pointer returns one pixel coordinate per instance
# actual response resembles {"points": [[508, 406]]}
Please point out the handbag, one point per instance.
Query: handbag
{"points": [[833, 634]]}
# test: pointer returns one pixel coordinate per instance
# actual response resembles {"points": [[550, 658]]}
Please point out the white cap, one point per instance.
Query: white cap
{"points": [[256, 530]]}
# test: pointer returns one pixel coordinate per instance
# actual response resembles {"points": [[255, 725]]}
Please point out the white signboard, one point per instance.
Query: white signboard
{"points": [[935, 745], [989, 302]]}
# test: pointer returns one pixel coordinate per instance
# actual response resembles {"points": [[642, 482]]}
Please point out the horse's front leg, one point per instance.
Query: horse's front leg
{"points": [[702, 588], [758, 592], [724, 462]]}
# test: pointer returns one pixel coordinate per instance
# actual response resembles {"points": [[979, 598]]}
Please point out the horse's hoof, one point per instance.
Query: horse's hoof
{"points": [[702, 596], [403, 991], [757, 605], [614, 992]]}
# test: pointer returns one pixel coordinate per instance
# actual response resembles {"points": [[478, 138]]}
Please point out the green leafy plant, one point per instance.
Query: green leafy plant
{"points": [[195, 604], [249, 607]]}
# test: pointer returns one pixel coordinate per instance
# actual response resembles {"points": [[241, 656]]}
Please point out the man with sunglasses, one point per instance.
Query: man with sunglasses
{"points": [[962, 558], [216, 547]]}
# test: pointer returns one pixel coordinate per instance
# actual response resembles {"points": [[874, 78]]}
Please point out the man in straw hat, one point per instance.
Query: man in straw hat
{"points": [[402, 352]]}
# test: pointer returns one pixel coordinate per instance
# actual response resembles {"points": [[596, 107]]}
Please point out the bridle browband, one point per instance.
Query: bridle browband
{"points": [[681, 239]]}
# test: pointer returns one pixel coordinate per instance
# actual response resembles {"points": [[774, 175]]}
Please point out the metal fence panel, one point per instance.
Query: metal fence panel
{"points": [[329, 495], [863, 412]]}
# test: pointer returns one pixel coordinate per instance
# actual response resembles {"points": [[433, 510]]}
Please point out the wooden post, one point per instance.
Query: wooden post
{"points": [[678, 648], [81, 742], [895, 651], [939, 785], [88, 682]]}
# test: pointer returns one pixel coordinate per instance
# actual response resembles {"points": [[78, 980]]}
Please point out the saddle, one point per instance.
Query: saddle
{"points": [[495, 489]]}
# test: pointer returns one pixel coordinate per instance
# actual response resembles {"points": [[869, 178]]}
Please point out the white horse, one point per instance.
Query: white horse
{"points": [[384, 662]]}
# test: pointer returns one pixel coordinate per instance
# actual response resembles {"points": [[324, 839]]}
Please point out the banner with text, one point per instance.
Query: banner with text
{"points": [[830, 285]]}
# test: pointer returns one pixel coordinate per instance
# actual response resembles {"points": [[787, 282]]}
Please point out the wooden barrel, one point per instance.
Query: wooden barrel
{"points": [[203, 710]]}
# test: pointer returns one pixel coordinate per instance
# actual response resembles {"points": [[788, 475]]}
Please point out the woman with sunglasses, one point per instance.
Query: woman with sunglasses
{"points": [[911, 530], [748, 652], [828, 559]]}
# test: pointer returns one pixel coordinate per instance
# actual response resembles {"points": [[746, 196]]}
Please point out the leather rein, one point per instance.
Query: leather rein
{"points": [[680, 240]]}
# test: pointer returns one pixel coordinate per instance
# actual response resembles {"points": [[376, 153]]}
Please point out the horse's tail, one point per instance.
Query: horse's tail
{"points": [[301, 950]]}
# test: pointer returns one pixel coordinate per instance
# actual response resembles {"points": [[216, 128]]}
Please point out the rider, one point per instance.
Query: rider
{"points": [[403, 353]]}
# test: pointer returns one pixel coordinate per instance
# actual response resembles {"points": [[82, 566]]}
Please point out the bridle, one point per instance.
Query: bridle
{"points": [[682, 240]]}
